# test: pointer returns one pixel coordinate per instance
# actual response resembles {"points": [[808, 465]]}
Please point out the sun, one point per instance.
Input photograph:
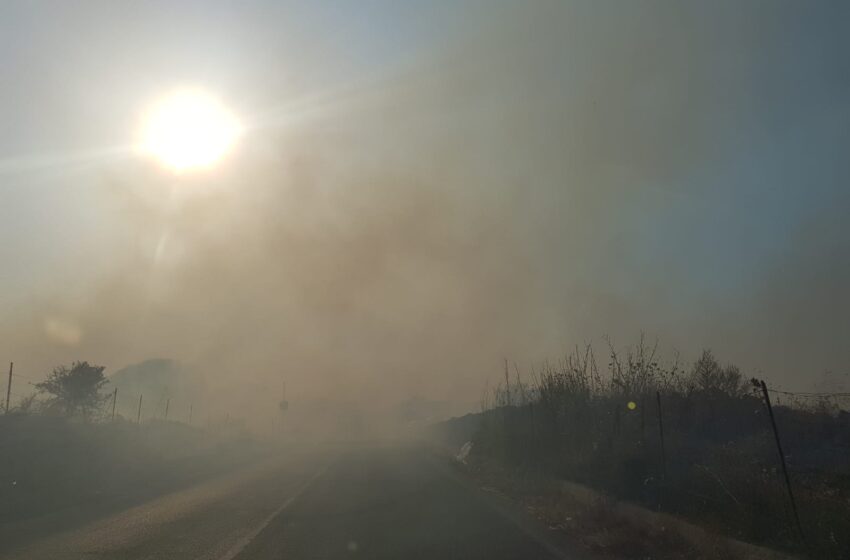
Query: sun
{"points": [[188, 130]]}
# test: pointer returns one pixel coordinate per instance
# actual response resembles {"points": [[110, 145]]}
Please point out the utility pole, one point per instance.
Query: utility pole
{"points": [[167, 402], [782, 461], [114, 400], [139, 415], [9, 386]]}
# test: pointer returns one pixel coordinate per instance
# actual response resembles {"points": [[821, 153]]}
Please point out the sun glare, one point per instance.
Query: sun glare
{"points": [[189, 130]]}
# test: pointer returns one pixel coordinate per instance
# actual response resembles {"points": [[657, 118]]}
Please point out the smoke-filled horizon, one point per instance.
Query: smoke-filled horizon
{"points": [[417, 199]]}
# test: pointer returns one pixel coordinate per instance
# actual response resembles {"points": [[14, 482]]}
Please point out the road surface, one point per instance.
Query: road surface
{"points": [[377, 502]]}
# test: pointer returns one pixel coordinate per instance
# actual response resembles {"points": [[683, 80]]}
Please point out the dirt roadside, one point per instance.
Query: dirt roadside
{"points": [[604, 528]]}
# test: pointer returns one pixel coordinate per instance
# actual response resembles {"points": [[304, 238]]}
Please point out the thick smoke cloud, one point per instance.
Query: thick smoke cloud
{"points": [[553, 174]]}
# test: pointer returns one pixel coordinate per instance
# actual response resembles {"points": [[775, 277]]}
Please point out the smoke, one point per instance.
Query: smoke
{"points": [[553, 174]]}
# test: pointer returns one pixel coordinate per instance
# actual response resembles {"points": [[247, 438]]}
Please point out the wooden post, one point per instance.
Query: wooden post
{"points": [[661, 433], [9, 386], [139, 415], [506, 443], [617, 419], [114, 400], [534, 436], [507, 385], [167, 402], [782, 461]]}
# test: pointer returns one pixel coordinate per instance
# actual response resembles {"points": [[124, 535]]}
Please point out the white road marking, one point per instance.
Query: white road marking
{"points": [[246, 539]]}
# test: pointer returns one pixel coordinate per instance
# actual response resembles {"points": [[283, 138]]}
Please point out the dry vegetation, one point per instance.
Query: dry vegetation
{"points": [[58, 471], [719, 465]]}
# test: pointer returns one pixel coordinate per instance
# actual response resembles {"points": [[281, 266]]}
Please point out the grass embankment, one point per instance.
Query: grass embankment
{"points": [[55, 471], [718, 467]]}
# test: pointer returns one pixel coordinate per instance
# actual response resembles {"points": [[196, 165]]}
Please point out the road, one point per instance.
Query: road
{"points": [[376, 502]]}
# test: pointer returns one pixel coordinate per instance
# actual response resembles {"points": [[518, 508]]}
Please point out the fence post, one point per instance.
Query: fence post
{"points": [[167, 403], [782, 461], [9, 386], [139, 415], [533, 425], [617, 419], [661, 433]]}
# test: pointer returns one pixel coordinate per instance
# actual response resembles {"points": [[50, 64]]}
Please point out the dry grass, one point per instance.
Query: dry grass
{"points": [[718, 466], [608, 529]]}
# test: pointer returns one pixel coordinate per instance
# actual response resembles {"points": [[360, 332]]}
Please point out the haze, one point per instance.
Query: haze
{"points": [[424, 191]]}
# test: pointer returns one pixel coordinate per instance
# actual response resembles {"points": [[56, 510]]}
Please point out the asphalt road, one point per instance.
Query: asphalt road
{"points": [[377, 502]]}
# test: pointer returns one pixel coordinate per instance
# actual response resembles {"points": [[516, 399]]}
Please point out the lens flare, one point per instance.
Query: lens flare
{"points": [[188, 130]]}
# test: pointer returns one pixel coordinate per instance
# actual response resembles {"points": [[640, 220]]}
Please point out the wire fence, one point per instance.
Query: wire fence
{"points": [[772, 473], [117, 404]]}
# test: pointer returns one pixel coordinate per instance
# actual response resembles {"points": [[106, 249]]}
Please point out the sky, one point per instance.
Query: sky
{"points": [[425, 190]]}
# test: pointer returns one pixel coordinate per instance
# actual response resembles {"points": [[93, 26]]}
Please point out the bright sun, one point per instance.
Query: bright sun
{"points": [[189, 130]]}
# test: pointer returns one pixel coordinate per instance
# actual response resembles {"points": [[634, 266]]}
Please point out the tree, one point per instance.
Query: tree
{"points": [[76, 389], [708, 375]]}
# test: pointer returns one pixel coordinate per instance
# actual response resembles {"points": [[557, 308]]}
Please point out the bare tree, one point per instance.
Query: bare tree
{"points": [[709, 375]]}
